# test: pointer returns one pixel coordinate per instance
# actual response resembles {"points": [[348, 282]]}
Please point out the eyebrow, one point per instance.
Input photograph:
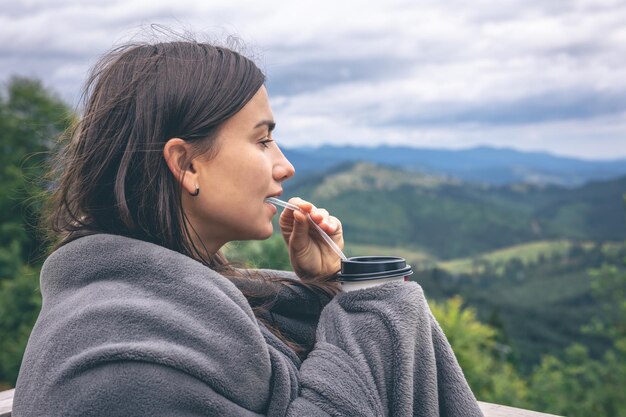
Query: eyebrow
{"points": [[269, 123]]}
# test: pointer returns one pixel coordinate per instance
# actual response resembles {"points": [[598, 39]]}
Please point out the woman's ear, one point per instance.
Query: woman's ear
{"points": [[176, 153]]}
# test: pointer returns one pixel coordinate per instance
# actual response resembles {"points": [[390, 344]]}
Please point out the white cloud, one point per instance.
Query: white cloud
{"points": [[450, 74]]}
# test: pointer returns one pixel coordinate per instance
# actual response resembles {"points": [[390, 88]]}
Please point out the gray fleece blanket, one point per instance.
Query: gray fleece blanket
{"points": [[128, 328]]}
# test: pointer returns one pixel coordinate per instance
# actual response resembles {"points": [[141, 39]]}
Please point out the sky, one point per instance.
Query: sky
{"points": [[547, 75]]}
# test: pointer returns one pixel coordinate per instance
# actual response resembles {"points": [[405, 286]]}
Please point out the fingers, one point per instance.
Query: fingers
{"points": [[287, 216], [334, 225], [297, 215], [299, 239], [303, 204], [330, 224], [300, 217], [319, 215]]}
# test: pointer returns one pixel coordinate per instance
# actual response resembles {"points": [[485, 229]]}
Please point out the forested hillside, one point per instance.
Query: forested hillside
{"points": [[450, 219]]}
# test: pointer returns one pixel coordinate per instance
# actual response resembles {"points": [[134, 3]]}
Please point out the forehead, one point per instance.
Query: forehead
{"points": [[255, 110]]}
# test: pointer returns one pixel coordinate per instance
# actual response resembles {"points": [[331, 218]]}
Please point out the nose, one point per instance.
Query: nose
{"points": [[283, 169]]}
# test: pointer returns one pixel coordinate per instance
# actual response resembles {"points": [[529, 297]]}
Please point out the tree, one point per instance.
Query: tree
{"points": [[270, 253], [30, 119], [580, 385], [20, 302], [481, 357], [608, 284]]}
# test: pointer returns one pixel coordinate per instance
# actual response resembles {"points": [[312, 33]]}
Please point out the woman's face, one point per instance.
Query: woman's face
{"points": [[248, 167]]}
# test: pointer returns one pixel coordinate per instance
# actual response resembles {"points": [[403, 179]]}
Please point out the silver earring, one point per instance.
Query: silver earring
{"points": [[195, 193]]}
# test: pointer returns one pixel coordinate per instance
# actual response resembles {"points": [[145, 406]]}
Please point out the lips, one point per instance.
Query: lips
{"points": [[272, 207], [278, 194]]}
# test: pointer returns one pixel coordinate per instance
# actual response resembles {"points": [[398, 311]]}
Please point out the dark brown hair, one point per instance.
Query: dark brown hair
{"points": [[111, 176]]}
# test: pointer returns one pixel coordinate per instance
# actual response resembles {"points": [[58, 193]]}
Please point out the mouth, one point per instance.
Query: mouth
{"points": [[278, 194], [273, 208]]}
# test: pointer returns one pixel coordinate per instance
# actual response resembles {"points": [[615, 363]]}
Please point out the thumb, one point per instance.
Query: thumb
{"points": [[300, 234]]}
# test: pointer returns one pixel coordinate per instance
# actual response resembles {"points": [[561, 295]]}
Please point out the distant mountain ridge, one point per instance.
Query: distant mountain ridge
{"points": [[486, 165]]}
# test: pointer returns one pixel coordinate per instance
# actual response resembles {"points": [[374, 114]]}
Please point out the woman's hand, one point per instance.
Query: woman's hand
{"points": [[310, 255]]}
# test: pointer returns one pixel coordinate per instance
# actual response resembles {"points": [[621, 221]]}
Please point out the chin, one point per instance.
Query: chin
{"points": [[262, 234], [268, 233]]}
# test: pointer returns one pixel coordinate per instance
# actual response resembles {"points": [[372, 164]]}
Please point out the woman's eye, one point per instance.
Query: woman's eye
{"points": [[265, 142]]}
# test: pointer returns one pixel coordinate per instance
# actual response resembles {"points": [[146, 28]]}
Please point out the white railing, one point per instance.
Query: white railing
{"points": [[6, 402]]}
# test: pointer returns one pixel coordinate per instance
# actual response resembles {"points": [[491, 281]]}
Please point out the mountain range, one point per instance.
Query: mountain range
{"points": [[449, 218], [486, 165]]}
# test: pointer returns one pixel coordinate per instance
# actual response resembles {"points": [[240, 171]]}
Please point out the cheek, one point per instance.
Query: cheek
{"points": [[254, 173], [240, 176]]}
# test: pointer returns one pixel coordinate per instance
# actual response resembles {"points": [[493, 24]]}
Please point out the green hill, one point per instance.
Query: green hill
{"points": [[527, 253], [450, 219]]}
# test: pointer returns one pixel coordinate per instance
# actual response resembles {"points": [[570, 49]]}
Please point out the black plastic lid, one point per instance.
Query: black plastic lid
{"points": [[363, 268]]}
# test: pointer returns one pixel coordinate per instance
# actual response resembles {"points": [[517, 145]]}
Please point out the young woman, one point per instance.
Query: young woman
{"points": [[142, 314]]}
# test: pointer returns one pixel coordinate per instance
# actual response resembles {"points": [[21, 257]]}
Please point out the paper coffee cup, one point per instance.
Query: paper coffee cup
{"points": [[360, 272]]}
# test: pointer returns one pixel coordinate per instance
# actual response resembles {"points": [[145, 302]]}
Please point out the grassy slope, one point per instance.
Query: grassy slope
{"points": [[527, 253]]}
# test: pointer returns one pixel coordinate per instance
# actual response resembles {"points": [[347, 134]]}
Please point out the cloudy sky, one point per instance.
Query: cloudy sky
{"points": [[526, 74]]}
